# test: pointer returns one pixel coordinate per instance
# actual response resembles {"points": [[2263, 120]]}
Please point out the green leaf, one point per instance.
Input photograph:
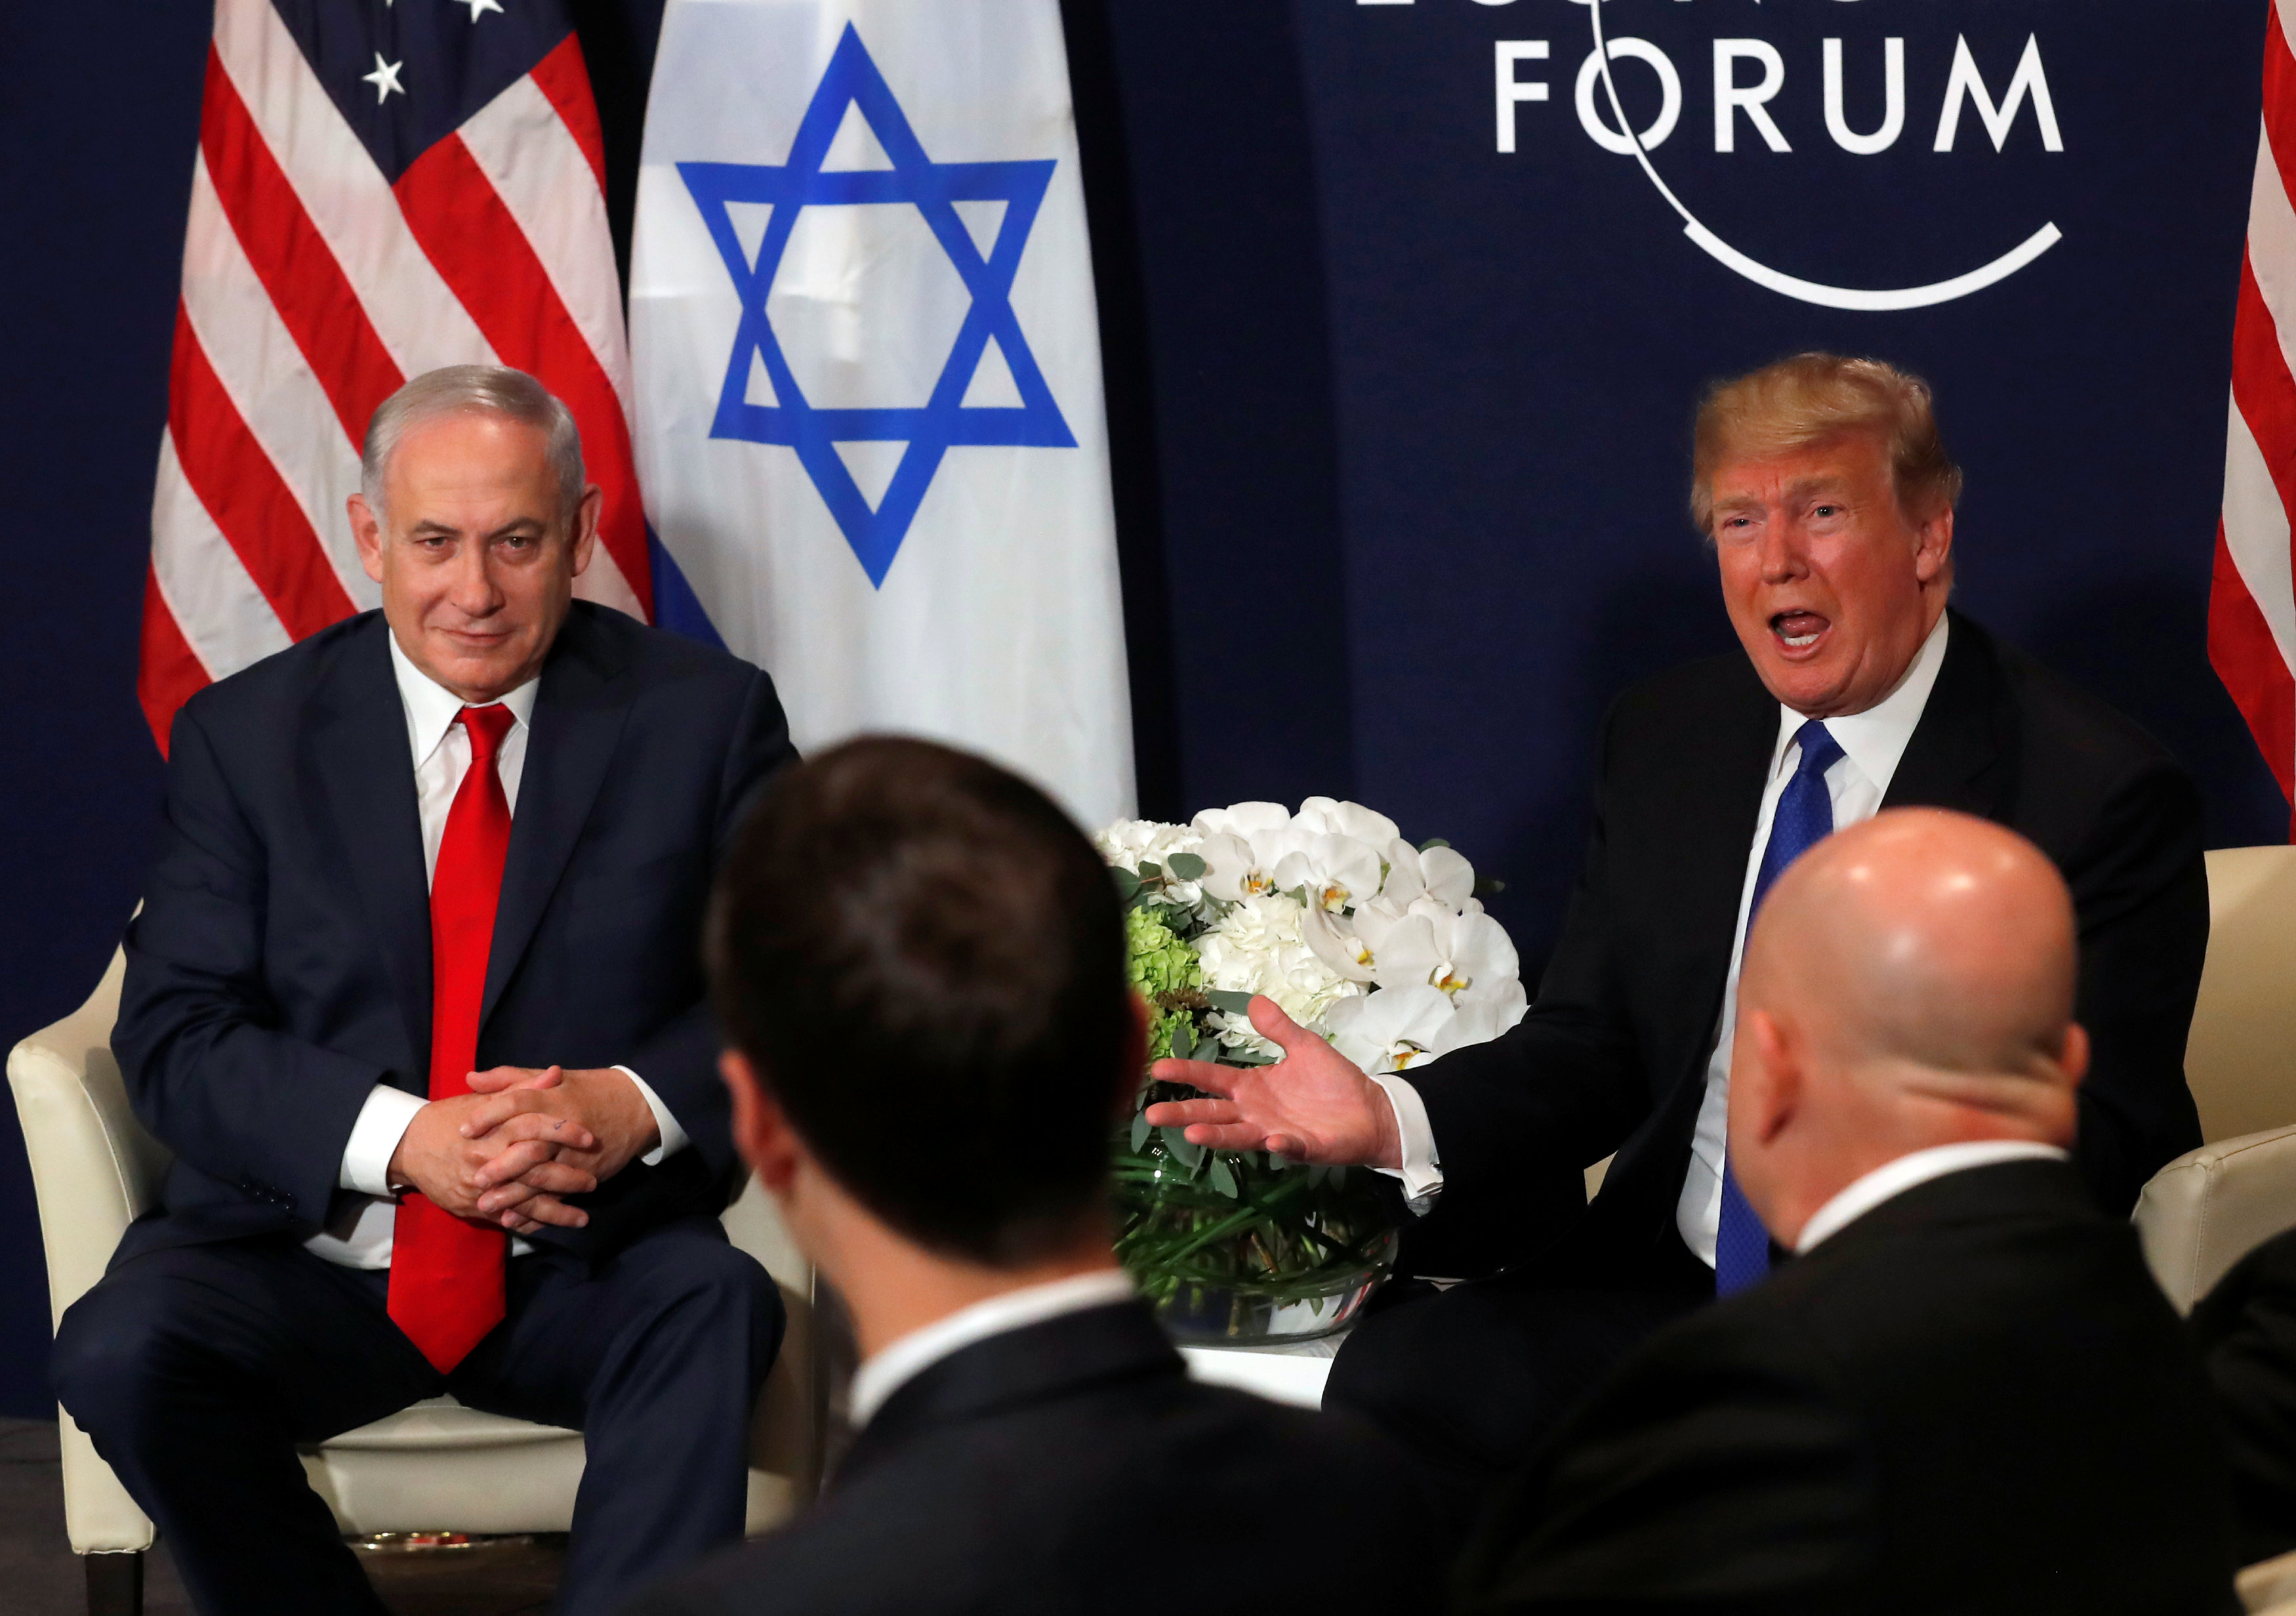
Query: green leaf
{"points": [[1184, 1042], [1176, 1140], [1233, 1003], [1128, 884], [1140, 1130], [1485, 883], [1150, 870], [1433, 841], [1223, 1178], [1187, 867]]}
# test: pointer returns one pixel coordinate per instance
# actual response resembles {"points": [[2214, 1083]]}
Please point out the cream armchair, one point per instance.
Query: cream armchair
{"points": [[436, 1465], [2210, 1207]]}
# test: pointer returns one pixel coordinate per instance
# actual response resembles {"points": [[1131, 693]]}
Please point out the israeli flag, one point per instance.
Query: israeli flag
{"points": [[869, 427]]}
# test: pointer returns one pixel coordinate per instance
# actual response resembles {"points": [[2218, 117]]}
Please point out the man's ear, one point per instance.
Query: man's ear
{"points": [[585, 527], [1773, 1076], [367, 532], [1933, 545], [761, 1128], [2073, 1059]]}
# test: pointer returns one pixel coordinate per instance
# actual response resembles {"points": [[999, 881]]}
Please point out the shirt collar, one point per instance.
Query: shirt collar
{"points": [[431, 708], [1894, 1178], [1875, 739], [896, 1364]]}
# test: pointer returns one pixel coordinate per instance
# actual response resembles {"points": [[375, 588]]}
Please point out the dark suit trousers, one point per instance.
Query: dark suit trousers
{"points": [[197, 1369], [1470, 1380]]}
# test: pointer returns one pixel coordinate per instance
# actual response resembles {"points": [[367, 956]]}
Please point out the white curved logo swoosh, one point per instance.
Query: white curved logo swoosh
{"points": [[1793, 286]]}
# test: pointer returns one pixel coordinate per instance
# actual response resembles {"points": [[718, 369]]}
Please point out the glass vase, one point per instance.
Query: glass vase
{"points": [[1239, 1247]]}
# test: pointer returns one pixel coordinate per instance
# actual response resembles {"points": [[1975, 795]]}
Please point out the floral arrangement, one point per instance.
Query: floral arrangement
{"points": [[1379, 944]]}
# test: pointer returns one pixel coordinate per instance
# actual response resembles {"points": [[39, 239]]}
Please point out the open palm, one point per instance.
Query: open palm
{"points": [[1312, 1105]]}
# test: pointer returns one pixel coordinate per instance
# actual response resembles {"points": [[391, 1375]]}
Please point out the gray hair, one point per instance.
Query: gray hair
{"points": [[456, 389]]}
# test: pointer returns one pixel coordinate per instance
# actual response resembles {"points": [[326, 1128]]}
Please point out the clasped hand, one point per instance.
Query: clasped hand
{"points": [[521, 1140], [1312, 1105]]}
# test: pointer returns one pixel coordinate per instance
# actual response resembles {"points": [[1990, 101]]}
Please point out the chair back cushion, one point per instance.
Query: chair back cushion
{"points": [[2241, 1057]]}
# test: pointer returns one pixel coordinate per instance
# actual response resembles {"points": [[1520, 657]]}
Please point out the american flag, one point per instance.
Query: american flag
{"points": [[2252, 602], [382, 187]]}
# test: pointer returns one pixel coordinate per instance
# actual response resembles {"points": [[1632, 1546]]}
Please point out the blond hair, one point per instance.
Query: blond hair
{"points": [[1804, 400]]}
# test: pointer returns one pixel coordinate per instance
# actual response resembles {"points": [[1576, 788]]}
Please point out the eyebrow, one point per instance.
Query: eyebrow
{"points": [[1799, 489], [533, 524]]}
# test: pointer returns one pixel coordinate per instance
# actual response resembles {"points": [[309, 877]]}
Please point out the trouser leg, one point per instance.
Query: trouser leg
{"points": [[656, 1356], [195, 1370]]}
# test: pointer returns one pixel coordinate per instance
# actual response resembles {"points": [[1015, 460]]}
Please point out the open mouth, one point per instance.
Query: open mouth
{"points": [[1798, 630]]}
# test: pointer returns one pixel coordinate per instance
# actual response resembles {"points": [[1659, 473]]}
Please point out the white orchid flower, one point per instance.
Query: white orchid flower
{"points": [[1467, 958], [1393, 1030], [1438, 874], [1479, 1021], [1336, 872], [1233, 869], [1336, 943], [1245, 819], [1324, 815]]}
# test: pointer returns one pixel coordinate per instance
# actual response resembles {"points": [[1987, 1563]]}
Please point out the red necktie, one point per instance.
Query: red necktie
{"points": [[447, 1274]]}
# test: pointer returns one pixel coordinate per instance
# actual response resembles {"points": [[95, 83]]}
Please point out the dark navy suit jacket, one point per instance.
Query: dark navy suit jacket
{"points": [[1072, 1466], [1613, 1055], [281, 966]]}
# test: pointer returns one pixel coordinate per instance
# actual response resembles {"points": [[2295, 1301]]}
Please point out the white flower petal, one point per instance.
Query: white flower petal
{"points": [[1450, 877]]}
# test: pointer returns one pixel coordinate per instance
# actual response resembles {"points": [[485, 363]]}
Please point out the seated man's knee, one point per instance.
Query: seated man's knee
{"points": [[113, 1352], [712, 1288]]}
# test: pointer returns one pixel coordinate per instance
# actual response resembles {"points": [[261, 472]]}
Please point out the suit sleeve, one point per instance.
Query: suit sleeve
{"points": [[679, 1059], [2245, 1330], [1516, 1121], [208, 1069], [2141, 891], [1714, 1475]]}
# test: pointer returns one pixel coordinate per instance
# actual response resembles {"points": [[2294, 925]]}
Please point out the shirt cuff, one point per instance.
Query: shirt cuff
{"points": [[1421, 1173], [382, 1124], [673, 1137]]}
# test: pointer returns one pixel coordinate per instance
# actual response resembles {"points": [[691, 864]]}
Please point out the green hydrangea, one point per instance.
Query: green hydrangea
{"points": [[1159, 961]]}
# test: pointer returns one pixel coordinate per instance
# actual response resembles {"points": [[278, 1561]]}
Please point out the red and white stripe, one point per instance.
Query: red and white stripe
{"points": [[2252, 601], [312, 289]]}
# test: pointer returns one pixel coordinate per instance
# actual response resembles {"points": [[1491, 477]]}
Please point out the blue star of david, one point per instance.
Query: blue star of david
{"points": [[943, 422]]}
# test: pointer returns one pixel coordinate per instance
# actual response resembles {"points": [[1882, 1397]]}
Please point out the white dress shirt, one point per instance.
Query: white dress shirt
{"points": [[1894, 1178], [901, 1361], [1872, 743], [441, 755]]}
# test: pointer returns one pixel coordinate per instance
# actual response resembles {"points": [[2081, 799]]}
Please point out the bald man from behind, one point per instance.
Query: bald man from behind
{"points": [[1965, 1392]]}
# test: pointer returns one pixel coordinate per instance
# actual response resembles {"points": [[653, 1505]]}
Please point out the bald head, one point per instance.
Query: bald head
{"points": [[1908, 982]]}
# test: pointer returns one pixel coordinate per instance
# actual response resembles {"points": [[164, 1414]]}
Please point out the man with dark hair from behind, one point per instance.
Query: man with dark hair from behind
{"points": [[918, 960]]}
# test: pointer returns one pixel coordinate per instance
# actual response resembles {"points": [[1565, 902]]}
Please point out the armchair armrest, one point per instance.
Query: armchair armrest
{"points": [[2212, 1206], [94, 1170]]}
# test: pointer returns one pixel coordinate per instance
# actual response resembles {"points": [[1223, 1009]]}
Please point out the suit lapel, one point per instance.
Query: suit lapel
{"points": [[1717, 836], [1962, 753], [358, 748], [578, 713]]}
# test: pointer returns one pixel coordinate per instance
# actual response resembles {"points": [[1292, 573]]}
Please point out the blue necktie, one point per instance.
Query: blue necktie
{"points": [[1804, 818]]}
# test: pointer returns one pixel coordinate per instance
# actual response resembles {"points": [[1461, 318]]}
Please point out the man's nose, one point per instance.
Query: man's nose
{"points": [[1781, 553], [474, 591]]}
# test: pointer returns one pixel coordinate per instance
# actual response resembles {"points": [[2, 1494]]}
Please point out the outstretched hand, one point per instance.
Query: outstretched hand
{"points": [[1312, 1105]]}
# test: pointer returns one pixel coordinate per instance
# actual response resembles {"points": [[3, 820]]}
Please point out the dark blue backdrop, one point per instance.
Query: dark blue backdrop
{"points": [[1400, 420]]}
